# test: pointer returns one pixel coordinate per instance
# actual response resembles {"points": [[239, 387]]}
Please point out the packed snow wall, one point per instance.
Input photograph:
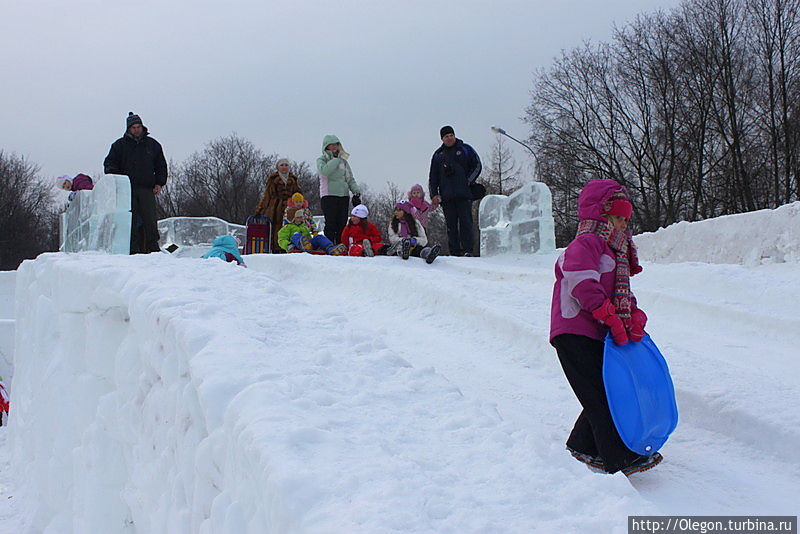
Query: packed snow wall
{"points": [[159, 394], [753, 238], [7, 284]]}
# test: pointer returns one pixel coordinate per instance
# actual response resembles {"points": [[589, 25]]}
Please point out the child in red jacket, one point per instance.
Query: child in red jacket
{"points": [[361, 237]]}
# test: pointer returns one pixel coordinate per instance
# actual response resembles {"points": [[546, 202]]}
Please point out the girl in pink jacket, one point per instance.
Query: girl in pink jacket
{"points": [[592, 296], [422, 208]]}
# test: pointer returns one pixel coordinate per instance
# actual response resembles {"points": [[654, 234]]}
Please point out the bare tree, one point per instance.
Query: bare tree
{"points": [[696, 111], [27, 214], [501, 175]]}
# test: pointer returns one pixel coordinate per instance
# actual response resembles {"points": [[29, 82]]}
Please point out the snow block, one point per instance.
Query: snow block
{"points": [[521, 223]]}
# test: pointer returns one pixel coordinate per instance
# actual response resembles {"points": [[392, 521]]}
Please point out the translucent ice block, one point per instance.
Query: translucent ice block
{"points": [[521, 223], [99, 219], [193, 236]]}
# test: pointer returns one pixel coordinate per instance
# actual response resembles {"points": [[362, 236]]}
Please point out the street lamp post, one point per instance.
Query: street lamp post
{"points": [[498, 130]]}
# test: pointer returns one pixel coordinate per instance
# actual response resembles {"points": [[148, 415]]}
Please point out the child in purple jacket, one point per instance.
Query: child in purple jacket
{"points": [[592, 296], [422, 208], [81, 182]]}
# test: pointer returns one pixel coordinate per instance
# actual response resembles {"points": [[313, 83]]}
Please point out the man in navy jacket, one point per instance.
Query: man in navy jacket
{"points": [[141, 159], [454, 167]]}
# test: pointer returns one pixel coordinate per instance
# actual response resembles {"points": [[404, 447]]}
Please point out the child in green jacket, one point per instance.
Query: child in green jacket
{"points": [[296, 236]]}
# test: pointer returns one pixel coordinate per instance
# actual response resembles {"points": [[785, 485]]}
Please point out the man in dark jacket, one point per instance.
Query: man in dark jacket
{"points": [[141, 159], [454, 167]]}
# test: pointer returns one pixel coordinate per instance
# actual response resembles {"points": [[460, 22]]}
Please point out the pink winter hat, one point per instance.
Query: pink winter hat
{"points": [[621, 208]]}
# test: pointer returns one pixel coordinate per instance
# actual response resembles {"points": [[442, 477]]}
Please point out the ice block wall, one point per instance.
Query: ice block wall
{"points": [[193, 236], [99, 219], [521, 223]]}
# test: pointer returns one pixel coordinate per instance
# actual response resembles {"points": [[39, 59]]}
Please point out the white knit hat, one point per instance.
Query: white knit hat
{"points": [[360, 211], [61, 180]]}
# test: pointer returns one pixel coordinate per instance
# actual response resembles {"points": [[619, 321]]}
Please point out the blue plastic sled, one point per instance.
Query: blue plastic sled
{"points": [[640, 394]]}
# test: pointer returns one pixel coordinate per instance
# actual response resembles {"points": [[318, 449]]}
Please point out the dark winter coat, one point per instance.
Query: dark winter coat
{"points": [[140, 159], [453, 169]]}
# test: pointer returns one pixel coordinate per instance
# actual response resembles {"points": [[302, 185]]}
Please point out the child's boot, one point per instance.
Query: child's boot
{"points": [[305, 244], [643, 463], [430, 253], [368, 252], [405, 250], [337, 250]]}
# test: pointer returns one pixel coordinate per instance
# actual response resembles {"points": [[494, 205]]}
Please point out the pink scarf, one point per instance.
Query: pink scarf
{"points": [[621, 242]]}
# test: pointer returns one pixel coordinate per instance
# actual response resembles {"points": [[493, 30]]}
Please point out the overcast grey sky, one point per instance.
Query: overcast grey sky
{"points": [[383, 76]]}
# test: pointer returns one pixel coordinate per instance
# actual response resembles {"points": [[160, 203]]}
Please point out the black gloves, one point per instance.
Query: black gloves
{"points": [[356, 200]]}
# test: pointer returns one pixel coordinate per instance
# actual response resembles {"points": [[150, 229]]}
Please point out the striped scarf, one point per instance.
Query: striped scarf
{"points": [[621, 242]]}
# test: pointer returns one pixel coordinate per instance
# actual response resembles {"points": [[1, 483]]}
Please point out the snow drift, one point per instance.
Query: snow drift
{"points": [[754, 238]]}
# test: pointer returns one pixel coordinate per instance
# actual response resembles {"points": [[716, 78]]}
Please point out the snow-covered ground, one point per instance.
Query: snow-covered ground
{"points": [[320, 394]]}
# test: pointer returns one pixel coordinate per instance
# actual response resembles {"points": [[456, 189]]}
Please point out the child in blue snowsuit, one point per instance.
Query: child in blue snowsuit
{"points": [[225, 248]]}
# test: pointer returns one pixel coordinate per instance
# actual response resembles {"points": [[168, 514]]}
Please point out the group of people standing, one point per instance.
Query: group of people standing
{"points": [[455, 166]]}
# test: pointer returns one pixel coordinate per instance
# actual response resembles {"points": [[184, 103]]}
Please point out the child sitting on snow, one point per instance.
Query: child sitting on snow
{"points": [[422, 208], [407, 236], [225, 248], [592, 295], [81, 182], [296, 236], [361, 237], [297, 201]]}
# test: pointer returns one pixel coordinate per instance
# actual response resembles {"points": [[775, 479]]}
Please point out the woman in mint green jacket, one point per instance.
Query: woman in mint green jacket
{"points": [[336, 181]]}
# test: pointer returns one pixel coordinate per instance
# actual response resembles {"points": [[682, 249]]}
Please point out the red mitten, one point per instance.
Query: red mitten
{"points": [[636, 324], [607, 315]]}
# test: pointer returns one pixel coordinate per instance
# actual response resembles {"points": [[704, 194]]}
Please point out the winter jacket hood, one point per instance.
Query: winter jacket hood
{"points": [[329, 139], [593, 197]]}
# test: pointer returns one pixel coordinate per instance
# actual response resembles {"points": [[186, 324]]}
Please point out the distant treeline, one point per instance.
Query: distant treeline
{"points": [[696, 110]]}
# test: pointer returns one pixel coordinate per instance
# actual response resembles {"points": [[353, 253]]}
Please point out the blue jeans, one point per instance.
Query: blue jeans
{"points": [[319, 242]]}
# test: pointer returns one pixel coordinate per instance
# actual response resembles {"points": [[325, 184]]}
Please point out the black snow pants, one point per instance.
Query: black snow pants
{"points": [[336, 211], [144, 226], [594, 432]]}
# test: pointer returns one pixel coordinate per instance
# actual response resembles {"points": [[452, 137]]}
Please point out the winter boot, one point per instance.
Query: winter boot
{"points": [[430, 253], [305, 244], [643, 463], [405, 250], [594, 464], [337, 250], [368, 252], [393, 250]]}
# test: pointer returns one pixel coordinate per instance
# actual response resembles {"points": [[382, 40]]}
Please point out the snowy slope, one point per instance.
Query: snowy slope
{"points": [[318, 394]]}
